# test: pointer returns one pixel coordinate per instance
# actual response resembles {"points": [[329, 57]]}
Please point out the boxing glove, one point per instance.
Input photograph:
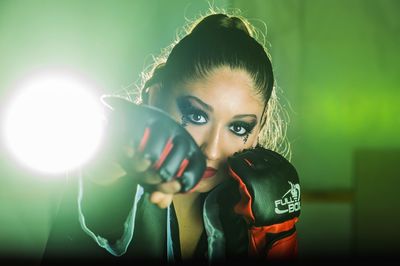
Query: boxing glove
{"points": [[268, 200], [158, 137]]}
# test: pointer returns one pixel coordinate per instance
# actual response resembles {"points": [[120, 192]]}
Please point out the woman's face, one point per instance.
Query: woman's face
{"points": [[222, 113]]}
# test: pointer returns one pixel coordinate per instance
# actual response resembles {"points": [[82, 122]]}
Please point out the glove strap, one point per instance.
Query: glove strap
{"points": [[274, 241], [243, 207]]}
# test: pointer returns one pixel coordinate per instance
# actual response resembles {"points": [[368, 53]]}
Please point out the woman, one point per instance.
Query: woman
{"points": [[217, 83]]}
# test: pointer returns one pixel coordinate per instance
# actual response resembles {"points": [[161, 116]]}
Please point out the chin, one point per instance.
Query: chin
{"points": [[207, 185]]}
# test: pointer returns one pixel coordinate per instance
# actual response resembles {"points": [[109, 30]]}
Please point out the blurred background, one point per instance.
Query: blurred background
{"points": [[336, 62]]}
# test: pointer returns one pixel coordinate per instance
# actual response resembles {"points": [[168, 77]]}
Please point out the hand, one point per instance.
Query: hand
{"points": [[269, 200], [155, 147]]}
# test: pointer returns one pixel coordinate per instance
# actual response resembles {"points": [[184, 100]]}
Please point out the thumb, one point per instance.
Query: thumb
{"points": [[161, 199]]}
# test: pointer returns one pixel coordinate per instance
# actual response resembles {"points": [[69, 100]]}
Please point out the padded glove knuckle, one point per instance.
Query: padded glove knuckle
{"points": [[271, 183], [171, 149]]}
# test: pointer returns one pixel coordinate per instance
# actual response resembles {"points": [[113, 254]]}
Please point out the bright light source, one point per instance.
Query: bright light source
{"points": [[54, 123]]}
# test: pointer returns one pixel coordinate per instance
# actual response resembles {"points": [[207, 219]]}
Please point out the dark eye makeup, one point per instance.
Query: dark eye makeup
{"points": [[190, 113], [242, 128], [194, 115]]}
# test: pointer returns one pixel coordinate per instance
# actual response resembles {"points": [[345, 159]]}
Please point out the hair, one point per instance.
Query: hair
{"points": [[216, 40]]}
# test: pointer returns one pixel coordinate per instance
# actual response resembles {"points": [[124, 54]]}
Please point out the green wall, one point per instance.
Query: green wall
{"points": [[336, 62]]}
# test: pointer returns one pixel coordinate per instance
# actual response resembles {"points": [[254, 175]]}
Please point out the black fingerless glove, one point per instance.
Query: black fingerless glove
{"points": [[269, 201], [171, 149]]}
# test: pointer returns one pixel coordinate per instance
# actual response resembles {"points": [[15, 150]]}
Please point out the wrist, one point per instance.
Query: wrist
{"points": [[105, 174]]}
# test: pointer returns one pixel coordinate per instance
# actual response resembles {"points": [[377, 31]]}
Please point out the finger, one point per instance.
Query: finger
{"points": [[158, 144], [193, 172], [173, 161], [140, 164], [170, 187], [162, 200], [150, 177], [165, 202], [136, 164]]}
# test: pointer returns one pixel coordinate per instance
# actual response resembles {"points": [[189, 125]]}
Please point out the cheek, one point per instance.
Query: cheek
{"points": [[236, 144], [198, 133], [253, 139]]}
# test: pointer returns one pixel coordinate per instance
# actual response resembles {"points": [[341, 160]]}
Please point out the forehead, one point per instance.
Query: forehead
{"points": [[225, 89]]}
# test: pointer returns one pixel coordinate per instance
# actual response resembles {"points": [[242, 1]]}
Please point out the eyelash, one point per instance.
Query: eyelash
{"points": [[188, 111], [248, 127]]}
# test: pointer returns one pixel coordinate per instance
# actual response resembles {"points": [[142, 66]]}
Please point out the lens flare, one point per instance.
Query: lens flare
{"points": [[53, 124]]}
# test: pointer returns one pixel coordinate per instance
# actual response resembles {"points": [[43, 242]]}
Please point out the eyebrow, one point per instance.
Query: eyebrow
{"points": [[245, 115], [211, 109], [203, 104]]}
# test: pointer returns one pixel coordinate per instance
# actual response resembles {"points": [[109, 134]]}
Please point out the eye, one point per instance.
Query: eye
{"points": [[238, 130], [241, 128], [196, 118], [191, 114]]}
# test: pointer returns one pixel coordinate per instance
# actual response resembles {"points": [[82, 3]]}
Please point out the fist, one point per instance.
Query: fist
{"points": [[268, 199], [269, 185], [172, 152]]}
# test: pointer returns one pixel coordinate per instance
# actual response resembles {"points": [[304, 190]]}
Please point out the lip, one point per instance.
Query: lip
{"points": [[209, 172]]}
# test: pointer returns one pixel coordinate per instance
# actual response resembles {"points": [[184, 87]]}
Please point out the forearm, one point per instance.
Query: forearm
{"points": [[106, 207], [112, 225]]}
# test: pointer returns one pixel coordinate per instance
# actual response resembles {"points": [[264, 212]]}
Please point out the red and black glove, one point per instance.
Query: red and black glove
{"points": [[158, 137], [269, 201]]}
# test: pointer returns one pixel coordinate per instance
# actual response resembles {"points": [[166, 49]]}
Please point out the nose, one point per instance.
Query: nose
{"points": [[212, 145]]}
